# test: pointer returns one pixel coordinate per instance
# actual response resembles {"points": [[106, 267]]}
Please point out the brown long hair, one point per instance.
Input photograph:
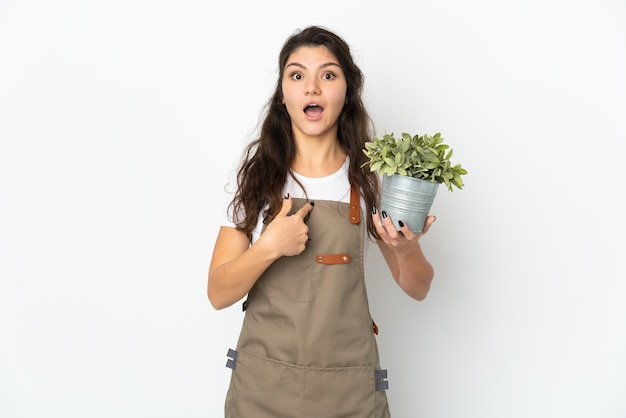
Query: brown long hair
{"points": [[267, 159]]}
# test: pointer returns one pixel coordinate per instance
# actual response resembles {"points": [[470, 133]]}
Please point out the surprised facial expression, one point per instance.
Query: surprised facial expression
{"points": [[314, 91]]}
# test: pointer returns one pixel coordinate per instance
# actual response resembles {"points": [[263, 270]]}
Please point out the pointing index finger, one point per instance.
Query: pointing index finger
{"points": [[304, 210]]}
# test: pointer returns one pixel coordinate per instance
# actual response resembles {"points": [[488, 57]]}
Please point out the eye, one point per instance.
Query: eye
{"points": [[328, 76], [296, 76]]}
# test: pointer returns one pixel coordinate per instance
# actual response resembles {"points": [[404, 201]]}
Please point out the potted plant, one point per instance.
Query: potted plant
{"points": [[413, 168]]}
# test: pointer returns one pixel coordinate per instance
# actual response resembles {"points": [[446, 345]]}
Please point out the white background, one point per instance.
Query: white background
{"points": [[119, 121]]}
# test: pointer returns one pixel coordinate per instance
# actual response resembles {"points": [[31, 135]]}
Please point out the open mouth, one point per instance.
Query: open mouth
{"points": [[313, 109]]}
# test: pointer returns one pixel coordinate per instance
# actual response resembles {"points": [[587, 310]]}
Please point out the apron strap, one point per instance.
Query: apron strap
{"points": [[355, 205]]}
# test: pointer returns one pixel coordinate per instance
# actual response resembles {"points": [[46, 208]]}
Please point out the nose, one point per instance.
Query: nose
{"points": [[311, 87]]}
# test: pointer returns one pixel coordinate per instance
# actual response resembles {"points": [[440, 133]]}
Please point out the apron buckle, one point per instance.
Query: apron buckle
{"points": [[379, 377], [232, 361]]}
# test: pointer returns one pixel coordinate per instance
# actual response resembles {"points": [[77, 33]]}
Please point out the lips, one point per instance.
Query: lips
{"points": [[313, 109]]}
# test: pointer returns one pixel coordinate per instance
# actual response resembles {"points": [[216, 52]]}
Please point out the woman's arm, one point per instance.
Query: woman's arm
{"points": [[236, 265], [403, 253]]}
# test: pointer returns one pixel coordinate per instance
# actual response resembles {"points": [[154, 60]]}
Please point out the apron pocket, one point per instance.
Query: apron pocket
{"points": [[289, 278], [340, 392], [264, 388]]}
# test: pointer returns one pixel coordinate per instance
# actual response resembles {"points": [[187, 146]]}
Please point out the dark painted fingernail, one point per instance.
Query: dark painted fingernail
{"points": [[384, 214], [374, 210], [401, 224], [287, 197], [312, 203]]}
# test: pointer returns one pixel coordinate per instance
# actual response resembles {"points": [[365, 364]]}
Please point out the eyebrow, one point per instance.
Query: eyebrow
{"points": [[325, 65]]}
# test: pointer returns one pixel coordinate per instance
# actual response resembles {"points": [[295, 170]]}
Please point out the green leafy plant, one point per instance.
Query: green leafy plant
{"points": [[424, 157]]}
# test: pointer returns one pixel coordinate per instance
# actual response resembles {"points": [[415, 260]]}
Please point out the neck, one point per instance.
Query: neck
{"points": [[318, 159]]}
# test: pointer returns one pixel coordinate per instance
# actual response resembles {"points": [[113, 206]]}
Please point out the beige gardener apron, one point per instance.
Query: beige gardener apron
{"points": [[307, 346]]}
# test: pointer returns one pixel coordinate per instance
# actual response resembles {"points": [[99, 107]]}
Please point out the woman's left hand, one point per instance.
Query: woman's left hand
{"points": [[402, 240]]}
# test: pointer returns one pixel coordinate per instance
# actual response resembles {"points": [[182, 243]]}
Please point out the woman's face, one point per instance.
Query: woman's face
{"points": [[314, 91]]}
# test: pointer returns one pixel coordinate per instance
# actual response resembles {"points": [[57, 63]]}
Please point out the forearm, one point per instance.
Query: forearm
{"points": [[231, 281], [415, 274], [410, 269], [236, 266]]}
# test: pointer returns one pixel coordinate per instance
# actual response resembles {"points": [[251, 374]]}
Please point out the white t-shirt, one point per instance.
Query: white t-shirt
{"points": [[334, 187]]}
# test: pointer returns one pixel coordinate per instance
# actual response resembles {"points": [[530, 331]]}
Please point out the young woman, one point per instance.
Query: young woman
{"points": [[298, 229]]}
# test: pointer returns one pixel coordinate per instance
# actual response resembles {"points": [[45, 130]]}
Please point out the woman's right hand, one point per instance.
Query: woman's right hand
{"points": [[236, 265], [287, 235]]}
